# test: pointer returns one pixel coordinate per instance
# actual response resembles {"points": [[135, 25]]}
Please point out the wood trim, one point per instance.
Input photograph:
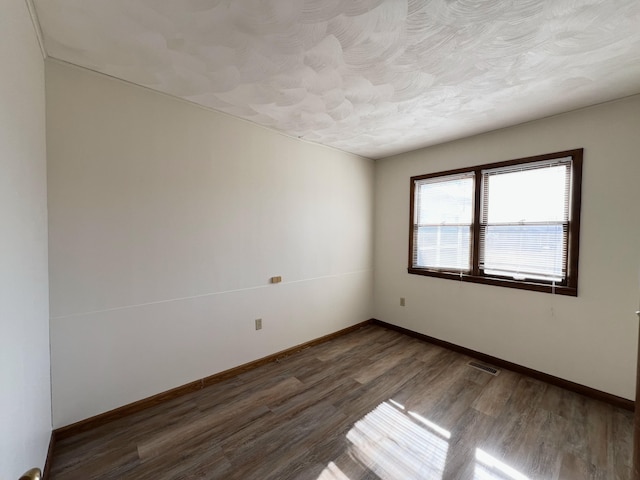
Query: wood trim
{"points": [[412, 206], [574, 225], [120, 412], [47, 464], [499, 281], [126, 410], [635, 473], [514, 367], [475, 226], [506, 163]]}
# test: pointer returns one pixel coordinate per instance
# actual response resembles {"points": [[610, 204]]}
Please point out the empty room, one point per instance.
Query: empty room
{"points": [[320, 239]]}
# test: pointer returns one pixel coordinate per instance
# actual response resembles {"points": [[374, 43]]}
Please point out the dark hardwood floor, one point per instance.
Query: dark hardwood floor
{"points": [[371, 404]]}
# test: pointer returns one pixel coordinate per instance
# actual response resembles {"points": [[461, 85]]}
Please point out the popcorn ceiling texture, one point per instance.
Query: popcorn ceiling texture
{"points": [[372, 77]]}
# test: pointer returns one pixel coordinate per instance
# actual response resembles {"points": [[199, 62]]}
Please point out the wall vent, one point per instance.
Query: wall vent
{"points": [[484, 368]]}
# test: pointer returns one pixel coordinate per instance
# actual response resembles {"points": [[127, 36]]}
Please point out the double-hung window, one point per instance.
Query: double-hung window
{"points": [[513, 223], [443, 226]]}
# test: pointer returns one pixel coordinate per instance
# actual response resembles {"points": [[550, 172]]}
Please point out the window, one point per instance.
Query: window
{"points": [[444, 218], [513, 223]]}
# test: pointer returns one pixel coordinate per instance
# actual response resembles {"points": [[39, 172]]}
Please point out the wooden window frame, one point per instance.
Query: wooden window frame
{"points": [[568, 287]]}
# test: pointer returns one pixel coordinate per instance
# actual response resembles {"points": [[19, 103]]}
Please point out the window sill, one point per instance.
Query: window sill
{"points": [[501, 282]]}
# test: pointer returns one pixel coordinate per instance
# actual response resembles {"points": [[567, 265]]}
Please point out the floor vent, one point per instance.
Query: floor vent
{"points": [[484, 368]]}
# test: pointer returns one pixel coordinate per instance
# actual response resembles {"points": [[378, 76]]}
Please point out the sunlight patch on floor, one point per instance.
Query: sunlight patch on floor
{"points": [[395, 447], [397, 444]]}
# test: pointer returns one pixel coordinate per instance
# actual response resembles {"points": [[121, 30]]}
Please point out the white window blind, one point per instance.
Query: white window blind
{"points": [[443, 213], [525, 220]]}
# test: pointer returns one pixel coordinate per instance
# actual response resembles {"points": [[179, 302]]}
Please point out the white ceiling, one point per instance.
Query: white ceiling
{"points": [[372, 77]]}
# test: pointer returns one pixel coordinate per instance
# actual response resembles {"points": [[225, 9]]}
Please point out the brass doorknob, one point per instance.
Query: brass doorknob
{"points": [[33, 474]]}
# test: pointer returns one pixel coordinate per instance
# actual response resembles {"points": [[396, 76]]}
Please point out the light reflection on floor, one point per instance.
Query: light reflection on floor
{"points": [[397, 444], [490, 468], [332, 472]]}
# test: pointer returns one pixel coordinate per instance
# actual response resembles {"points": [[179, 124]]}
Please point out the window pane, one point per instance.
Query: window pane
{"points": [[445, 202], [538, 195], [525, 251], [443, 247]]}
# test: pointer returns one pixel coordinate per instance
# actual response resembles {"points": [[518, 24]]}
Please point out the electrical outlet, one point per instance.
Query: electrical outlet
{"points": [[402, 303], [258, 324]]}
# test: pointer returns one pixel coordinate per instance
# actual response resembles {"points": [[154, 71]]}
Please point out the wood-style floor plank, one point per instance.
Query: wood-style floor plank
{"points": [[373, 404], [497, 393]]}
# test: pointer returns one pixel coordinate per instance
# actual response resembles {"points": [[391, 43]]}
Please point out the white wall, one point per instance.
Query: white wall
{"points": [[167, 221], [590, 339], [25, 399]]}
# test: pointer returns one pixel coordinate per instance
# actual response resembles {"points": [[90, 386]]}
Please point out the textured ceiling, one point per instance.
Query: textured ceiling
{"points": [[372, 77]]}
